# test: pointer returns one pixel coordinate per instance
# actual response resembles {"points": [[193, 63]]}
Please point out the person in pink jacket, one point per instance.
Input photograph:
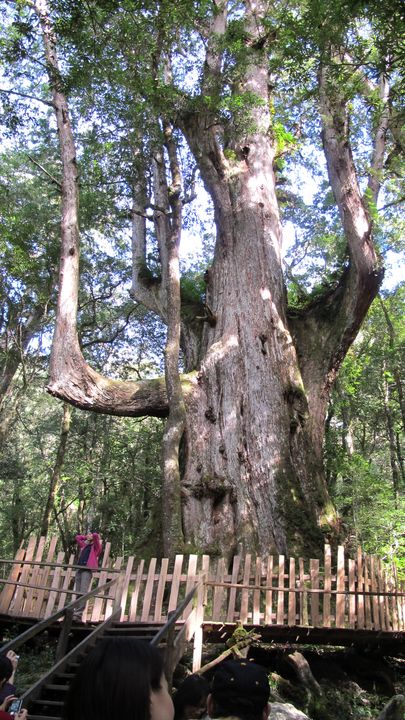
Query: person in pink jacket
{"points": [[90, 550]]}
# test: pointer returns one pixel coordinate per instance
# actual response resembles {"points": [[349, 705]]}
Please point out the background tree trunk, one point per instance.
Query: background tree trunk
{"points": [[57, 468]]}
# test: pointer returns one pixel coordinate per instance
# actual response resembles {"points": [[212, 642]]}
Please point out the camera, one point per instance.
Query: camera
{"points": [[15, 706]]}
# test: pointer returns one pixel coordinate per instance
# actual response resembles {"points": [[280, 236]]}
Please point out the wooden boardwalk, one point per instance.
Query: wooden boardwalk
{"points": [[272, 592]]}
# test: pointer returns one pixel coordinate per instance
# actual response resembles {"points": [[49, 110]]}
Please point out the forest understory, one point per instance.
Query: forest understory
{"points": [[325, 683]]}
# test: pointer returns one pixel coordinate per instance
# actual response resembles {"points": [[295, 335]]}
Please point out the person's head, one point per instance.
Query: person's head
{"points": [[239, 688], [89, 537], [190, 700], [6, 669], [120, 677]]}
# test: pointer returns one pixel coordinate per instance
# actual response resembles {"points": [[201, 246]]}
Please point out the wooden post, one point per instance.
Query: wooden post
{"points": [[374, 597], [118, 592], [257, 593], [9, 590], [38, 611], [54, 585], [191, 573], [17, 605], [340, 588], [230, 616], [268, 617], [135, 595], [292, 605], [360, 590], [381, 598], [147, 598], [367, 604], [110, 604], [64, 635], [327, 586], [399, 601], [280, 593], [66, 576], [158, 616], [352, 596], [218, 591], [125, 590], [314, 573], [244, 602], [198, 633], [174, 592], [102, 579], [393, 599], [303, 594], [34, 579]]}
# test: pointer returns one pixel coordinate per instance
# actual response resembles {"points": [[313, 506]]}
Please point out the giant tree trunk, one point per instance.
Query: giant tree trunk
{"points": [[246, 478]]}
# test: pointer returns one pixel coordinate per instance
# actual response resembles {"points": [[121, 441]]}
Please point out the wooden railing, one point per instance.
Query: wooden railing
{"points": [[357, 593], [350, 593]]}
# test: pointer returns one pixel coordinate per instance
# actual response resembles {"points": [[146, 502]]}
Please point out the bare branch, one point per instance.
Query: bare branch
{"points": [[393, 203], [41, 167]]}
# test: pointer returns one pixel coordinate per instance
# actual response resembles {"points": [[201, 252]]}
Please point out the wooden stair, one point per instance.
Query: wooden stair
{"points": [[49, 705]]}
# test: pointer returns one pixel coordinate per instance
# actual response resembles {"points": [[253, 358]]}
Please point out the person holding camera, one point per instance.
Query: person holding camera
{"points": [[9, 687], [90, 551], [10, 708]]}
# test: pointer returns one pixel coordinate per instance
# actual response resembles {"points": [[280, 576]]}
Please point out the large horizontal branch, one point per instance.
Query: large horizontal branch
{"points": [[86, 389]]}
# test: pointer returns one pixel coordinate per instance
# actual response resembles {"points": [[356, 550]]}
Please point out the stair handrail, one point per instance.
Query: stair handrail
{"points": [[175, 644], [34, 691], [43, 624]]}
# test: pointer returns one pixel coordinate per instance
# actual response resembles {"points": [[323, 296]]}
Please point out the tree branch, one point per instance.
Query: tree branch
{"points": [[25, 95], [337, 315], [377, 161], [71, 378], [144, 289]]}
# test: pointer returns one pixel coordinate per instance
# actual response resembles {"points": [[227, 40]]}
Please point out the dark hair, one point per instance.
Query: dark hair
{"points": [[115, 678], [6, 668], [240, 688], [192, 691]]}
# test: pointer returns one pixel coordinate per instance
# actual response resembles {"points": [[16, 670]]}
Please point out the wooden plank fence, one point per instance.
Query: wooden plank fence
{"points": [[355, 593]]}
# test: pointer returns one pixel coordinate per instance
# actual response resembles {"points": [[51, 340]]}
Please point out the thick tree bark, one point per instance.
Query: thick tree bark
{"points": [[246, 479]]}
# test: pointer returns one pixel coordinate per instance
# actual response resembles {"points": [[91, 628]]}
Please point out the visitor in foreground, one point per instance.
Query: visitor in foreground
{"points": [[120, 678], [240, 689], [9, 688], [6, 670]]}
